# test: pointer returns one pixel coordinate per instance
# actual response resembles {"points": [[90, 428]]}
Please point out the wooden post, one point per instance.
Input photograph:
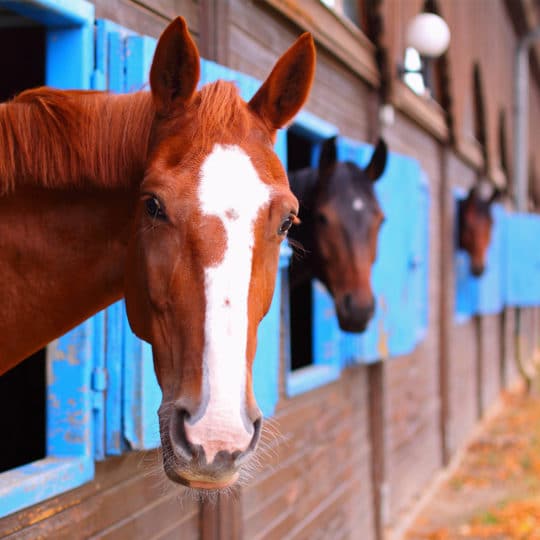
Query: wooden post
{"points": [[446, 292], [478, 327], [221, 519], [214, 30], [377, 435]]}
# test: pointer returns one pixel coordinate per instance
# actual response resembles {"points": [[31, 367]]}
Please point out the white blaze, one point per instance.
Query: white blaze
{"points": [[357, 204], [230, 189]]}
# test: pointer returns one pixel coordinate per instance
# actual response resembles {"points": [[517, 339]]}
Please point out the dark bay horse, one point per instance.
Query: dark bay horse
{"points": [[475, 224], [173, 198], [340, 220]]}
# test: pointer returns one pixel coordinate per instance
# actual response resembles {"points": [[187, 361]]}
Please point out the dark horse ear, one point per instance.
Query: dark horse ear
{"points": [[175, 68], [328, 155], [497, 195], [287, 87], [377, 164]]}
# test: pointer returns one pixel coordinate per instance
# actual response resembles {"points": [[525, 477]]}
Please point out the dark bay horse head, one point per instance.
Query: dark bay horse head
{"points": [[474, 226], [214, 207], [340, 221]]}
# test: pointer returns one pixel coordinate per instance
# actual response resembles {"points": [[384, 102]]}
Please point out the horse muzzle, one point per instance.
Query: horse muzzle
{"points": [[207, 460], [354, 316]]}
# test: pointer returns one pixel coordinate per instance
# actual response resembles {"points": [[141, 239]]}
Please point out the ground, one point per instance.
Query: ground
{"points": [[494, 493]]}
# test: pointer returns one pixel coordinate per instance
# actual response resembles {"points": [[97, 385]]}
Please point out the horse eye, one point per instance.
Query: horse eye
{"points": [[154, 209], [321, 219], [286, 224]]}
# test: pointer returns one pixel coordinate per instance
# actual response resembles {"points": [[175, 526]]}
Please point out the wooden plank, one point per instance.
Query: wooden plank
{"points": [[377, 433], [151, 520], [343, 40], [106, 502], [214, 30], [148, 18]]}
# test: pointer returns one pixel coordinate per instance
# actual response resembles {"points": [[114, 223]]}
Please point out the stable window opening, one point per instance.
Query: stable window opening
{"points": [[23, 388], [300, 150]]}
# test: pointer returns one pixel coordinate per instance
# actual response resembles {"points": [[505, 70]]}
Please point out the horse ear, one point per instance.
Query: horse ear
{"points": [[377, 164], [175, 68], [287, 87], [328, 154], [497, 195]]}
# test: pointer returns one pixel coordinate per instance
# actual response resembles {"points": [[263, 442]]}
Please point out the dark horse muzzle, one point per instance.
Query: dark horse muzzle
{"points": [[353, 314]]}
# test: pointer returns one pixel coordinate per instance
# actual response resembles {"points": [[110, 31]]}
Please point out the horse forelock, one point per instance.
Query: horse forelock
{"points": [[62, 139]]}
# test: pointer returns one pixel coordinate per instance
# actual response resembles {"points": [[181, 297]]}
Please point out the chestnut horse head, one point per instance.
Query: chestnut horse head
{"points": [[475, 225], [340, 224], [214, 207]]}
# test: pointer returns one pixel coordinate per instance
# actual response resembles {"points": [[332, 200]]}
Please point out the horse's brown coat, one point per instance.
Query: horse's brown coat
{"points": [[76, 172]]}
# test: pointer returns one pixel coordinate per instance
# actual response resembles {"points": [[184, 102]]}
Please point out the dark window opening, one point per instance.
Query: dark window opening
{"points": [[22, 412], [22, 389], [299, 156], [24, 67]]}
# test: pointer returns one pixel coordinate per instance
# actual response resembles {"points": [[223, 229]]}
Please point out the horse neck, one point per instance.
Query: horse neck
{"points": [[64, 245]]}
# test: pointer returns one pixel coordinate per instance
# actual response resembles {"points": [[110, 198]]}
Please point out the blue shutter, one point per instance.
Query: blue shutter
{"points": [[419, 263], [141, 392], [123, 60], [522, 259], [266, 362], [490, 284]]}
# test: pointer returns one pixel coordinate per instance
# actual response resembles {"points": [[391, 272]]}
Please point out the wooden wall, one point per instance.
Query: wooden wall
{"points": [[317, 479]]}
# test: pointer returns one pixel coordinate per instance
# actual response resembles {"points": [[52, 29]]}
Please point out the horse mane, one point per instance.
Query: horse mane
{"points": [[222, 114], [61, 139]]}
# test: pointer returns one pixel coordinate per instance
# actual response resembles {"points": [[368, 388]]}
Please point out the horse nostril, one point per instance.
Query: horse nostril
{"points": [[178, 434], [347, 302], [238, 456]]}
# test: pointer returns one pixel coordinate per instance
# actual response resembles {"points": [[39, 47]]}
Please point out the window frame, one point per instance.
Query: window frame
{"points": [[326, 360], [335, 32]]}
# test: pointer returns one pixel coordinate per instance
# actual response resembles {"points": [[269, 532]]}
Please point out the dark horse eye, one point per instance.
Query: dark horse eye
{"points": [[154, 209], [321, 219], [286, 224]]}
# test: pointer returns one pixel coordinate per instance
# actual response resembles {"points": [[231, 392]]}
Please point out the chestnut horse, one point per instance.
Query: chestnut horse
{"points": [[474, 226], [340, 221], [173, 198]]}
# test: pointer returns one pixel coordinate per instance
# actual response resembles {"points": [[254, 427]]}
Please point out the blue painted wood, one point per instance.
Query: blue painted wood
{"points": [[139, 54], [53, 13], [326, 332], [313, 127], [141, 392], [114, 440], [267, 358], [109, 74], [490, 299], [522, 283], [41, 480], [69, 396], [98, 384]]}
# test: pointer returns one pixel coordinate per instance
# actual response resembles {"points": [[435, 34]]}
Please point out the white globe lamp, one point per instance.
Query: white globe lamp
{"points": [[428, 34]]}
